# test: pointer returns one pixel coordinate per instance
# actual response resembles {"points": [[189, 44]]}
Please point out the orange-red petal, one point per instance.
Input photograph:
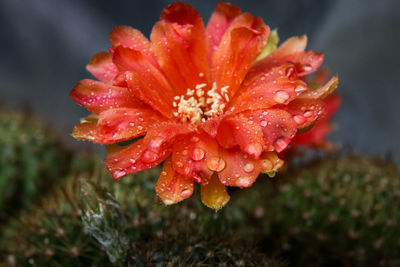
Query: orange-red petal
{"points": [[172, 187], [315, 136], [277, 125], [87, 131], [324, 90], [133, 159], [218, 24], [179, 42], [98, 96], [129, 37], [240, 170], [213, 194], [242, 131], [306, 111], [120, 124], [191, 154], [239, 47], [278, 86], [291, 51], [127, 59], [102, 67], [148, 93]]}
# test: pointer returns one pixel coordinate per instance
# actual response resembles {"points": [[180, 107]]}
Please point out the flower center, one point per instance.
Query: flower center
{"points": [[198, 105]]}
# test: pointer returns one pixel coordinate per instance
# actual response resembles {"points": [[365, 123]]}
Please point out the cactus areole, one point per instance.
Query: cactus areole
{"points": [[215, 103]]}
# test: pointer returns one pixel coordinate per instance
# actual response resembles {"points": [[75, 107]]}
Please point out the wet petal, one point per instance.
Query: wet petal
{"points": [[213, 194], [127, 59], [291, 51], [277, 125], [178, 41], [239, 47], [219, 22], [87, 131], [270, 162], [278, 86], [117, 125], [305, 111], [102, 67], [148, 93], [324, 90], [190, 156], [243, 131], [129, 37], [172, 187], [133, 159], [240, 170], [97, 96]]}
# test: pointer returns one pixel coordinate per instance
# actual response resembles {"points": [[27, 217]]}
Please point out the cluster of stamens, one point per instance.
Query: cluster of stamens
{"points": [[198, 105]]}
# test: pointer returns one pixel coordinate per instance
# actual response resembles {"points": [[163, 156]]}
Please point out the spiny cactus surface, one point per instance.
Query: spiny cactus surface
{"points": [[342, 211], [31, 159]]}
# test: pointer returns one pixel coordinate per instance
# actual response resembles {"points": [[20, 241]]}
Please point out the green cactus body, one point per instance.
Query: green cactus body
{"points": [[31, 159], [341, 211]]}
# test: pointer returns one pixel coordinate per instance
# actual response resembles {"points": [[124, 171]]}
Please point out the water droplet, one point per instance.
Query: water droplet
{"points": [[308, 114], [290, 73], [244, 181], [163, 173], [299, 119], [149, 156], [263, 123], [266, 165], [168, 201], [156, 142], [133, 161], [197, 154], [300, 88], [281, 97], [186, 193], [248, 167], [216, 164], [254, 149], [307, 68], [281, 144], [118, 174]]}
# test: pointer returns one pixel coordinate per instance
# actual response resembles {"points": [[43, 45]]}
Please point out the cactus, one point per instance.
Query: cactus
{"points": [[342, 211], [51, 233], [31, 159], [103, 217]]}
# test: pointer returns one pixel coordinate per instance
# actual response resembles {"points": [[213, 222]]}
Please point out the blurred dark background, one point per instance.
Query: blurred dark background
{"points": [[46, 44]]}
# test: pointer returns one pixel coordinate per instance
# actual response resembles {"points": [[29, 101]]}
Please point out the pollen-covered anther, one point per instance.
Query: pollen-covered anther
{"points": [[201, 106]]}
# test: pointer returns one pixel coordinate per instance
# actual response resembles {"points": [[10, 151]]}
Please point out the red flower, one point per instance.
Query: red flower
{"points": [[316, 137], [203, 104]]}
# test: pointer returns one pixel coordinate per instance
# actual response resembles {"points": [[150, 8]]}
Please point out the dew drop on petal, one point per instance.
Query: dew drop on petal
{"points": [[149, 156], [280, 144], [254, 149], [119, 174], [248, 167], [216, 164], [307, 67], [197, 154], [300, 88], [156, 142], [299, 119], [281, 97], [243, 181], [263, 123], [308, 114], [186, 193], [168, 201], [266, 165]]}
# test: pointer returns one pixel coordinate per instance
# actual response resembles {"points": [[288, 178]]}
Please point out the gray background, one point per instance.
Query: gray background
{"points": [[46, 44]]}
